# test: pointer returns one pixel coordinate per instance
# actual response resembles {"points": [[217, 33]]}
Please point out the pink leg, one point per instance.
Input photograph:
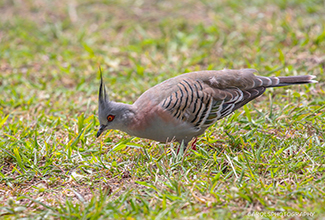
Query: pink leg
{"points": [[194, 144], [178, 149]]}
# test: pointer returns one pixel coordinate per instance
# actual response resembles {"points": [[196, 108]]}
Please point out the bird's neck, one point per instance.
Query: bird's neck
{"points": [[135, 118], [129, 111]]}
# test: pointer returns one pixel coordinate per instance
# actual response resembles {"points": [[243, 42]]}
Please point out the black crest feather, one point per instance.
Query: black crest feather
{"points": [[102, 98]]}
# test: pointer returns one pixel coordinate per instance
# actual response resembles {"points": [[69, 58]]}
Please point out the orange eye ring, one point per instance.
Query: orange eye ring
{"points": [[110, 117]]}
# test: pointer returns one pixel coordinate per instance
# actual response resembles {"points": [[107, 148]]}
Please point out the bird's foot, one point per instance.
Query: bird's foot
{"points": [[190, 145]]}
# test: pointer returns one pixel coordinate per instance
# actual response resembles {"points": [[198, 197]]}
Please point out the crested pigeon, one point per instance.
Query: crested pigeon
{"points": [[183, 107]]}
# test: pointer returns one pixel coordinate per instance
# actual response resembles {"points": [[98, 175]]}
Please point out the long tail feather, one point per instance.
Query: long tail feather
{"points": [[292, 80]]}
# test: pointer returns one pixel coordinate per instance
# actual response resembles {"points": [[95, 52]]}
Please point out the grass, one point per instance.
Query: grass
{"points": [[264, 161]]}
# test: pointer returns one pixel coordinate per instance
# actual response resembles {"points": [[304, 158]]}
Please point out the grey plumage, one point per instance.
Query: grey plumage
{"points": [[183, 107]]}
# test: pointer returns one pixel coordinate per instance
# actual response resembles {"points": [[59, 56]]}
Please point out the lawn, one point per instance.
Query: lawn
{"points": [[266, 160]]}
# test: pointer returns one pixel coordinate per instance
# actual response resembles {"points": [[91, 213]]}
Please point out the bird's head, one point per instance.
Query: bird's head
{"points": [[111, 115]]}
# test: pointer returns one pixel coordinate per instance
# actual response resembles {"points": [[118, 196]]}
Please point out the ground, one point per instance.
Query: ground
{"points": [[264, 161]]}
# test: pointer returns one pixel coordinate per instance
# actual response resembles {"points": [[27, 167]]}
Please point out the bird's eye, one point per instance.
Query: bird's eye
{"points": [[110, 117]]}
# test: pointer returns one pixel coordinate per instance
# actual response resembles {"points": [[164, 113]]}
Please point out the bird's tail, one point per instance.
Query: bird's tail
{"points": [[291, 80]]}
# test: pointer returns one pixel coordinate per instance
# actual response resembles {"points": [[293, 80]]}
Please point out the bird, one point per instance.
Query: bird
{"points": [[182, 108]]}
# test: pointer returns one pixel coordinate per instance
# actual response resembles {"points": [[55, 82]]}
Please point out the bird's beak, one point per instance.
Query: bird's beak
{"points": [[101, 129]]}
